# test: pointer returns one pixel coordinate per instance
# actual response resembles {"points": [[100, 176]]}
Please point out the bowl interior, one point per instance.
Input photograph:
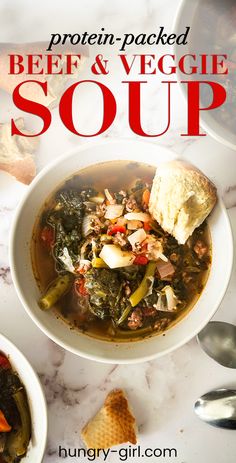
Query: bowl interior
{"points": [[28, 291], [36, 400]]}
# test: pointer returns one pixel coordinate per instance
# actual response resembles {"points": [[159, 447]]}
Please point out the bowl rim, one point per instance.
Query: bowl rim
{"points": [[35, 379], [55, 338], [204, 117]]}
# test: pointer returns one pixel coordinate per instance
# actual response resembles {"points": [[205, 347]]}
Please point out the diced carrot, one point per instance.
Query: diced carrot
{"points": [[116, 229], [4, 425], [146, 197], [147, 226]]}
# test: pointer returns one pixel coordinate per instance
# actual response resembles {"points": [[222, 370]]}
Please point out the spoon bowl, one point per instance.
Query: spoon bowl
{"points": [[218, 340], [218, 408]]}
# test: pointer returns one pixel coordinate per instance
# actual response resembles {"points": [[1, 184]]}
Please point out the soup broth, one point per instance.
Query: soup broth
{"points": [[76, 230]]}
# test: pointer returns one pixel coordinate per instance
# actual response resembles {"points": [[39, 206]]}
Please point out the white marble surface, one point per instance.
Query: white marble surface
{"points": [[162, 392]]}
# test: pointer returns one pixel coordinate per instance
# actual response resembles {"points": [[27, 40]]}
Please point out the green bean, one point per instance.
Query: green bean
{"points": [[18, 442], [142, 289], [124, 315], [56, 290]]}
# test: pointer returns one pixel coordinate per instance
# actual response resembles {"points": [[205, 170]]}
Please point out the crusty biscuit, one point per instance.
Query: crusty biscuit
{"points": [[181, 198]]}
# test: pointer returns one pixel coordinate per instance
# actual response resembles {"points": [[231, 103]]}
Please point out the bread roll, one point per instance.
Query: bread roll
{"points": [[181, 198], [16, 153], [114, 424]]}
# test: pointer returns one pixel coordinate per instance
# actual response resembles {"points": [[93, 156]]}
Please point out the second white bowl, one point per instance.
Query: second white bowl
{"points": [[36, 399]]}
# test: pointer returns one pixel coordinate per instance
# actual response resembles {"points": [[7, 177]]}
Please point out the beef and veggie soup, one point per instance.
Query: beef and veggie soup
{"points": [[105, 266]]}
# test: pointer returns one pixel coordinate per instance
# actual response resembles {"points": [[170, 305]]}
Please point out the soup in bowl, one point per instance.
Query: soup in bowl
{"points": [[105, 266], [101, 271]]}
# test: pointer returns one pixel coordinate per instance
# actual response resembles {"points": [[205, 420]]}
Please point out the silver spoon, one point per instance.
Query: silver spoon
{"points": [[218, 408], [218, 340]]}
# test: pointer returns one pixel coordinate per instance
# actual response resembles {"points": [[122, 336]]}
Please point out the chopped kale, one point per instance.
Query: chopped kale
{"points": [[66, 219], [105, 292], [9, 384]]}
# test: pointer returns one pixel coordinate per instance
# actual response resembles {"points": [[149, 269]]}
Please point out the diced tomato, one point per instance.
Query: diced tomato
{"points": [[116, 229], [4, 362], [147, 226], [47, 236], [140, 260], [146, 197], [80, 287], [4, 426]]}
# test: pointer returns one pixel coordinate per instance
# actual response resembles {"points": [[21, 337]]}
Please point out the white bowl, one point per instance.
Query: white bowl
{"points": [[81, 344], [186, 15], [37, 403]]}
